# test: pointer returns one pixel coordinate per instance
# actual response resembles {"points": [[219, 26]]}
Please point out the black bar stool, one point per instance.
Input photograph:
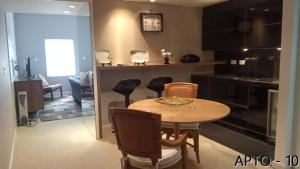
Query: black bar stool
{"points": [[157, 84], [126, 87]]}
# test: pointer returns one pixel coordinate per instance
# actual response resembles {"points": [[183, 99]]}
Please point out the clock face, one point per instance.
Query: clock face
{"points": [[151, 22]]}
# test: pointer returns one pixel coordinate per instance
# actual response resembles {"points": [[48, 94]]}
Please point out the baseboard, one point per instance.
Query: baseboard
{"points": [[12, 150], [277, 165]]}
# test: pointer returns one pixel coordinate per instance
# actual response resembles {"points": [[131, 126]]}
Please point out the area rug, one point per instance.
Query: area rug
{"points": [[65, 108]]}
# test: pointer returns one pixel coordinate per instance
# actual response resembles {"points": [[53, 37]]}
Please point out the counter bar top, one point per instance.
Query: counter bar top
{"points": [[159, 65]]}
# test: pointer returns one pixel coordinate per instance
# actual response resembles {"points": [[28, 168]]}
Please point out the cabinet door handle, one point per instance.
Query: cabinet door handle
{"points": [[269, 114]]}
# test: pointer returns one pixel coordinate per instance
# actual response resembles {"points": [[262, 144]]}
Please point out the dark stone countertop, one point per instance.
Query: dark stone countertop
{"points": [[253, 80]]}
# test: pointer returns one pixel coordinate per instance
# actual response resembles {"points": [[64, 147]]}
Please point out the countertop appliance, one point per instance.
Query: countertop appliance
{"points": [[190, 58]]}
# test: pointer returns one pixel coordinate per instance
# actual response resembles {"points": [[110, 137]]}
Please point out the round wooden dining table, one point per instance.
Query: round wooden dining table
{"points": [[199, 110]]}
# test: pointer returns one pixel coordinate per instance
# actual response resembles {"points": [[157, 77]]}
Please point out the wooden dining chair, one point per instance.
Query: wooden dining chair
{"points": [[139, 139], [185, 90]]}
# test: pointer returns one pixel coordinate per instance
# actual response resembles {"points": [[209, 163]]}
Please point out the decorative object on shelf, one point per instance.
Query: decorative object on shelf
{"points": [[190, 58], [151, 22], [166, 55], [28, 66], [139, 56], [174, 100], [104, 57]]}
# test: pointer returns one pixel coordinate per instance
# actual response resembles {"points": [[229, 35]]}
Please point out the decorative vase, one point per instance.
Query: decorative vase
{"points": [[166, 60]]}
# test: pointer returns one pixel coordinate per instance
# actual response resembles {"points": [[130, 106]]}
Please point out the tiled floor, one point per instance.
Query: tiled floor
{"points": [[241, 142], [71, 144]]}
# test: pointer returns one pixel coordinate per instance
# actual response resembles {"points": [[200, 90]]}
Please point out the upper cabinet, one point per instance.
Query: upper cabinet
{"points": [[238, 24], [223, 16], [265, 20]]}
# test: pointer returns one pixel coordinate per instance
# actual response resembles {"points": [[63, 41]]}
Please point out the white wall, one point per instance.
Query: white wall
{"points": [[117, 28], [296, 53], [11, 43], [84, 43], [7, 111], [296, 131], [288, 74]]}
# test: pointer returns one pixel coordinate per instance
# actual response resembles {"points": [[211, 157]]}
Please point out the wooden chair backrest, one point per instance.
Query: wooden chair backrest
{"points": [[138, 133], [181, 89]]}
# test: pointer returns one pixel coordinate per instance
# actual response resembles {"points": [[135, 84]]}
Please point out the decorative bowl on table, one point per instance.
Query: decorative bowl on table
{"points": [[173, 100]]}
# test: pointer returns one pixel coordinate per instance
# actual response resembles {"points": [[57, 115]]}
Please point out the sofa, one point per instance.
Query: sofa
{"points": [[82, 85], [76, 88]]}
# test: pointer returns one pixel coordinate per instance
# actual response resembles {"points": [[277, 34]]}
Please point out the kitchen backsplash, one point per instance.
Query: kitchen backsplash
{"points": [[260, 63]]}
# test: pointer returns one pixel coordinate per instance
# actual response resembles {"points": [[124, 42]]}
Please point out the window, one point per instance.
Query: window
{"points": [[60, 57]]}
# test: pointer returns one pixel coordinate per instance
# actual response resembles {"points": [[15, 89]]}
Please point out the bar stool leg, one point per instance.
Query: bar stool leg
{"points": [[159, 94], [126, 101]]}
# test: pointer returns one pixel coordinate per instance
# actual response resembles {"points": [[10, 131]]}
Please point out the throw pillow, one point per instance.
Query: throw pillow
{"points": [[44, 81], [84, 78]]}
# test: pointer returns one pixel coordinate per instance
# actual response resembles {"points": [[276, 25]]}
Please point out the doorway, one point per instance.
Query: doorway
{"points": [[53, 45]]}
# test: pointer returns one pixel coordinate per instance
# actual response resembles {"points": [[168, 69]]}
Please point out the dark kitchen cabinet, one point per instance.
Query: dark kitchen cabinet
{"points": [[257, 114], [223, 16], [265, 24], [203, 91], [221, 26], [247, 100], [223, 40], [238, 24], [234, 94]]}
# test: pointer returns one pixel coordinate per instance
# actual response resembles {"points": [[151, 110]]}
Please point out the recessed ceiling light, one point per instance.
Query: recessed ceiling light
{"points": [[67, 12], [252, 9], [72, 6], [279, 49], [267, 10], [152, 0]]}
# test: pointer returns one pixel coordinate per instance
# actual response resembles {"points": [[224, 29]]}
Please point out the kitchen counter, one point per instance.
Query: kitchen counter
{"points": [[246, 96], [262, 81], [109, 76]]}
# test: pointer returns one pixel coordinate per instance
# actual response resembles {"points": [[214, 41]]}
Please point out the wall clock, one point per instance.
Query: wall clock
{"points": [[151, 22]]}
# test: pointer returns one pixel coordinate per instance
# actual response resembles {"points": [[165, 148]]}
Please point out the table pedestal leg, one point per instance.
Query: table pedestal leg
{"points": [[177, 130]]}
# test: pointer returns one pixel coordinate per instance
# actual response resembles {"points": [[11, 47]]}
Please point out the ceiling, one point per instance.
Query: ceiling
{"points": [[187, 3], [45, 7], [82, 8]]}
